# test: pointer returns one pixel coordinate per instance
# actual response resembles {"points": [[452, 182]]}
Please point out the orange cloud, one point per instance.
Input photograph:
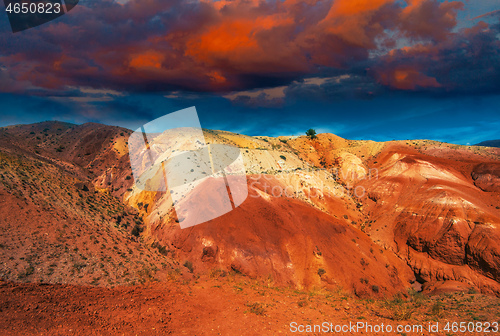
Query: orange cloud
{"points": [[241, 43], [429, 19], [228, 39], [355, 7], [407, 79], [149, 59]]}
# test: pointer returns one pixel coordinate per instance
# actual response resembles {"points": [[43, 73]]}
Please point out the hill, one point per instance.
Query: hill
{"points": [[57, 226], [371, 218], [490, 143]]}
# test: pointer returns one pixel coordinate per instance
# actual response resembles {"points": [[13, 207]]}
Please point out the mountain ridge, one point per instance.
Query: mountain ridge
{"points": [[95, 157], [489, 143]]}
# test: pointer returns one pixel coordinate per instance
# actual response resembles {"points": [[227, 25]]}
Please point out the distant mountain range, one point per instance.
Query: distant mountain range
{"points": [[490, 143]]}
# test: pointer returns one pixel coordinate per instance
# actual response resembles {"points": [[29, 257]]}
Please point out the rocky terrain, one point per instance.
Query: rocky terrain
{"points": [[370, 217], [372, 220], [57, 225]]}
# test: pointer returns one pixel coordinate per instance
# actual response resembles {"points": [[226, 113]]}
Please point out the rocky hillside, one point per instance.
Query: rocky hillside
{"points": [[56, 224], [372, 218], [357, 214]]}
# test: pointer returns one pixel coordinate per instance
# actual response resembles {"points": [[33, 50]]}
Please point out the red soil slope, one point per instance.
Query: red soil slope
{"points": [[288, 242], [432, 213], [229, 305]]}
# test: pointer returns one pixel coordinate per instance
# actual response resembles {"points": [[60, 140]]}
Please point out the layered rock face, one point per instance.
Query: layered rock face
{"points": [[430, 211], [431, 208]]}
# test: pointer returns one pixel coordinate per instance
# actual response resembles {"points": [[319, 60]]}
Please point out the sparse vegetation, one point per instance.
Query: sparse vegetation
{"points": [[257, 308], [302, 303], [400, 310], [27, 272], [189, 265], [161, 249], [217, 273], [437, 309], [137, 230]]}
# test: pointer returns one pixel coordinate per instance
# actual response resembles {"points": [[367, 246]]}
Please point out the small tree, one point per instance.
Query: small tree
{"points": [[311, 133]]}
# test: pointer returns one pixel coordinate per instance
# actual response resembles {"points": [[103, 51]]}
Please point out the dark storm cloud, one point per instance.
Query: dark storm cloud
{"points": [[223, 46], [468, 62]]}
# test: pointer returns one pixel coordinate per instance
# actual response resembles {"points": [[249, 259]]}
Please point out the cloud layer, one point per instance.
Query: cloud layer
{"points": [[241, 45]]}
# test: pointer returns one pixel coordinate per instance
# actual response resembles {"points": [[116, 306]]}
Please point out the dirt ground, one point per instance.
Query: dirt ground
{"points": [[224, 305]]}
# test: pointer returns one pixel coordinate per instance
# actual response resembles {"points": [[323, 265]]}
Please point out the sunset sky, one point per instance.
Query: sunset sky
{"points": [[362, 69]]}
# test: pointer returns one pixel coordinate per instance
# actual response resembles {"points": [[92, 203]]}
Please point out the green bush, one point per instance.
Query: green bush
{"points": [[311, 133]]}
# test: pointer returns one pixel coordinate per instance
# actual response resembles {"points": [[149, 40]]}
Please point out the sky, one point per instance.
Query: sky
{"points": [[362, 69]]}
